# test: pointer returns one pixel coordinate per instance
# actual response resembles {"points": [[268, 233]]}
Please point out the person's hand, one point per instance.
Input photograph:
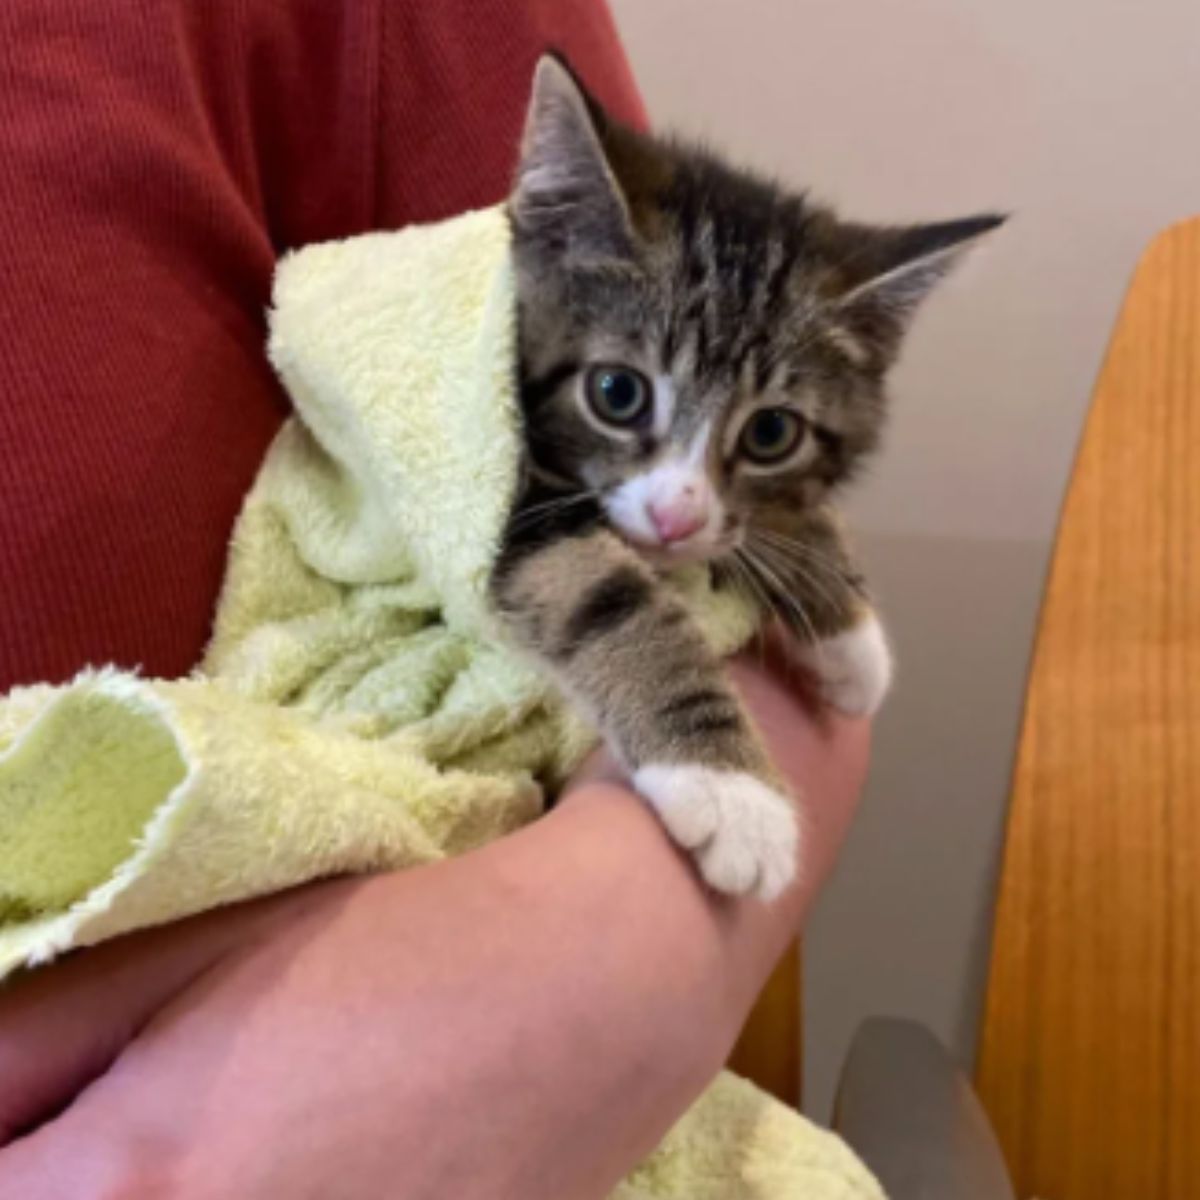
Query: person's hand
{"points": [[525, 1021]]}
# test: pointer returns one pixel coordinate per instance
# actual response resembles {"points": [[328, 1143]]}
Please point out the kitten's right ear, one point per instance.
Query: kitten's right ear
{"points": [[566, 197]]}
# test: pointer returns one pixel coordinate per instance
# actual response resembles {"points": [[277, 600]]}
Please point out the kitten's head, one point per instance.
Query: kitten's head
{"points": [[702, 350]]}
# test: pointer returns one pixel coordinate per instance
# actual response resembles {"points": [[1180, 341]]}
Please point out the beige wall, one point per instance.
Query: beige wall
{"points": [[1082, 117]]}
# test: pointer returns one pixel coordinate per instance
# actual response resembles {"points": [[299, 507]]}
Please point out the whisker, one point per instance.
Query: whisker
{"points": [[785, 563], [780, 593], [800, 556], [798, 620], [760, 595], [786, 542], [549, 508], [738, 576], [758, 591], [767, 608]]}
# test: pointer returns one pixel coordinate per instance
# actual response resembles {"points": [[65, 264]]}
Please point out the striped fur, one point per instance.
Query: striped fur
{"points": [[725, 295]]}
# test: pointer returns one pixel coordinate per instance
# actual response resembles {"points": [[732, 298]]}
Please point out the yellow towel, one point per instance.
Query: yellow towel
{"points": [[357, 708]]}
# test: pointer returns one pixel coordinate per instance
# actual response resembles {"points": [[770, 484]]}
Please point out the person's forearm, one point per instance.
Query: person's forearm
{"points": [[582, 985], [632, 1023], [614, 1032], [571, 989], [524, 1021]]}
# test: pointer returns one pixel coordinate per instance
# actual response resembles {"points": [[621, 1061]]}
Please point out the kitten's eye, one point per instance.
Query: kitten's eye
{"points": [[618, 395], [771, 434]]}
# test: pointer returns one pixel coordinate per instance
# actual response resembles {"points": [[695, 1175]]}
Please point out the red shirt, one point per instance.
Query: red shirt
{"points": [[154, 161]]}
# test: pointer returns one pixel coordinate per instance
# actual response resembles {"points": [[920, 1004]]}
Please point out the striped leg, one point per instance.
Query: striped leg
{"points": [[624, 647]]}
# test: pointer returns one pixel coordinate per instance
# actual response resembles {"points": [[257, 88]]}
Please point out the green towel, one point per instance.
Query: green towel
{"points": [[358, 707]]}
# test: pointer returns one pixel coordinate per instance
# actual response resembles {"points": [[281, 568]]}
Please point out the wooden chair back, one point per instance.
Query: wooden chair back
{"points": [[768, 1052], [1090, 1054]]}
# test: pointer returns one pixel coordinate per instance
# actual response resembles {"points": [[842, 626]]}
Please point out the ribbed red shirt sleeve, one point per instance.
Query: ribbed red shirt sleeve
{"points": [[154, 160]]}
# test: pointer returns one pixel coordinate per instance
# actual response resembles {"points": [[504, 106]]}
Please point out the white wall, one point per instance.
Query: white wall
{"points": [[1083, 118]]}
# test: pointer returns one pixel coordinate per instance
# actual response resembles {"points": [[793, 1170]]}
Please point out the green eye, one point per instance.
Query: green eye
{"points": [[618, 395], [771, 434]]}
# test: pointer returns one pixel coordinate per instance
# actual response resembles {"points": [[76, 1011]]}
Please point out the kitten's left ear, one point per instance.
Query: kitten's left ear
{"points": [[566, 196], [882, 274]]}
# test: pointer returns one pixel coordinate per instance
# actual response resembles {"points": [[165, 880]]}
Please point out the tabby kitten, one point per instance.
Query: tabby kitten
{"points": [[702, 358]]}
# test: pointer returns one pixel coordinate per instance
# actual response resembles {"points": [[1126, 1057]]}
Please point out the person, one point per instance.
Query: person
{"points": [[524, 1021]]}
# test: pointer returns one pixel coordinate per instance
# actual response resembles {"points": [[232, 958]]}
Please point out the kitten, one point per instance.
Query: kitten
{"points": [[702, 359]]}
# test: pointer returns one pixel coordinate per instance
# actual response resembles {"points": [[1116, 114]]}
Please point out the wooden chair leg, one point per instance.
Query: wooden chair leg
{"points": [[769, 1051]]}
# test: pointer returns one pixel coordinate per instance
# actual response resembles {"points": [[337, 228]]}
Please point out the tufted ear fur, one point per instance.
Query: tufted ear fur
{"points": [[566, 200], [881, 274]]}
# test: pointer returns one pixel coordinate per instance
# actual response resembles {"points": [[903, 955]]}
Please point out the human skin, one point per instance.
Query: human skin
{"points": [[525, 1021]]}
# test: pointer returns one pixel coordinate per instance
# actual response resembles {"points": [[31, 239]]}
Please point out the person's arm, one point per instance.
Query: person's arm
{"points": [[525, 1021]]}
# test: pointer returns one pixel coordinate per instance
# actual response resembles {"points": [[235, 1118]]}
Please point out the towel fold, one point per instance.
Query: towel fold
{"points": [[358, 707]]}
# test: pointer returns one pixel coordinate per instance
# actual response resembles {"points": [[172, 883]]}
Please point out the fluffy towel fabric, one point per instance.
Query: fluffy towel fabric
{"points": [[357, 708]]}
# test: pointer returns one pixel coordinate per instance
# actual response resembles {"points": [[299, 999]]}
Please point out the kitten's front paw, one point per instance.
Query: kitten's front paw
{"points": [[854, 668], [741, 832]]}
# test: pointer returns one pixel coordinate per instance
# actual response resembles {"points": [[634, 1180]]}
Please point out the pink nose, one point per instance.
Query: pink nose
{"points": [[679, 516]]}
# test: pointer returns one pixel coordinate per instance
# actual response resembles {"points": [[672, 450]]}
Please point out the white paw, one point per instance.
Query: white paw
{"points": [[854, 668], [741, 832]]}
